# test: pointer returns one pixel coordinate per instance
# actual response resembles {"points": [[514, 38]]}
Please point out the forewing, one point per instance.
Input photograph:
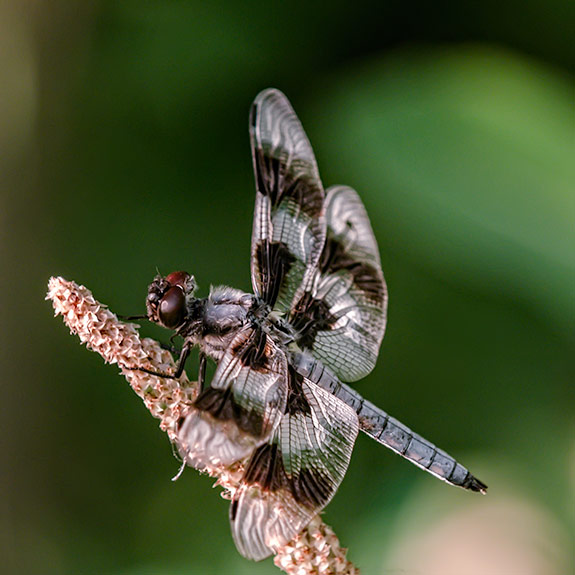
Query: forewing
{"points": [[289, 227], [342, 319], [290, 479], [242, 406]]}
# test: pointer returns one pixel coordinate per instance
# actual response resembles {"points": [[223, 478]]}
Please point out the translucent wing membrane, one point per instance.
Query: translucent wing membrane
{"points": [[242, 406], [290, 479], [342, 318], [318, 259], [289, 228]]}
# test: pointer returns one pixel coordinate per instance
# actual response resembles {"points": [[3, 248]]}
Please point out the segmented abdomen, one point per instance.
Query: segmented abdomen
{"points": [[389, 431]]}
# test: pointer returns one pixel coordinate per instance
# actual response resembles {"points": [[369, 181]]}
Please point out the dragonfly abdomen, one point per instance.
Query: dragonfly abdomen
{"points": [[390, 432]]}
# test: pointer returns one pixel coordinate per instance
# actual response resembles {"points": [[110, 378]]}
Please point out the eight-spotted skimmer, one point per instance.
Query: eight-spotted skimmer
{"points": [[316, 319]]}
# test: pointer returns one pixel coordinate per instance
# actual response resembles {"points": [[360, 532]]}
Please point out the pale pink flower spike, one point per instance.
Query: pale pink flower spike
{"points": [[316, 550]]}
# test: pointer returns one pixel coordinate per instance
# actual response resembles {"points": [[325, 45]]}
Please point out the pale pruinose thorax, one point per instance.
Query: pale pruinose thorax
{"points": [[225, 311]]}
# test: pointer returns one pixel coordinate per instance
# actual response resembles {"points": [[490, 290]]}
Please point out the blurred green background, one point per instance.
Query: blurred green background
{"points": [[124, 147]]}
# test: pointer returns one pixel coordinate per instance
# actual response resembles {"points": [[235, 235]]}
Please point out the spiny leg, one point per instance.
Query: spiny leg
{"points": [[202, 371], [180, 364]]}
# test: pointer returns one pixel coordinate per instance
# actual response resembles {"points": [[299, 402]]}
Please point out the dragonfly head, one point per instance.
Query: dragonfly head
{"points": [[168, 299]]}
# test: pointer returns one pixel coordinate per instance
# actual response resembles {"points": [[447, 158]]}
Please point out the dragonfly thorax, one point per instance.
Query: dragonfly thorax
{"points": [[209, 323]]}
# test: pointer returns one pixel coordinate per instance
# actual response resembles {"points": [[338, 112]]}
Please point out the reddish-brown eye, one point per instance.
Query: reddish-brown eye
{"points": [[172, 308], [178, 278]]}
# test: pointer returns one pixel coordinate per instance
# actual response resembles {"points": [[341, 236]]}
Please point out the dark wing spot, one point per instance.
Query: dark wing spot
{"points": [[274, 261], [296, 401], [254, 351], [366, 277], [268, 177], [278, 182], [306, 194], [221, 405], [309, 486], [310, 316], [266, 468], [312, 488]]}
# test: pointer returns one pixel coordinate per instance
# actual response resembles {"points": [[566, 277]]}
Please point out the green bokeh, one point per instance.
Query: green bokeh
{"points": [[457, 129]]}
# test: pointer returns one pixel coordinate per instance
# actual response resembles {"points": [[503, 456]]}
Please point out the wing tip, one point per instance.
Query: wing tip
{"points": [[263, 96], [268, 93]]}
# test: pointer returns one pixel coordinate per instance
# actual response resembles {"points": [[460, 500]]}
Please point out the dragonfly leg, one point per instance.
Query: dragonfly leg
{"points": [[184, 353], [202, 371]]}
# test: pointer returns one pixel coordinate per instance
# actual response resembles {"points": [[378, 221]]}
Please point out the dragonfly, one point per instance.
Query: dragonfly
{"points": [[279, 400]]}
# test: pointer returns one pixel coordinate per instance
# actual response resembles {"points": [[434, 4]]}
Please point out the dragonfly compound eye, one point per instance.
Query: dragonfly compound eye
{"points": [[172, 309], [178, 278]]}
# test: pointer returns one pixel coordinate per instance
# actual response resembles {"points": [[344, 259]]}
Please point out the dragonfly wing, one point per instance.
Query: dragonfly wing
{"points": [[243, 405], [292, 477], [342, 319], [289, 227]]}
